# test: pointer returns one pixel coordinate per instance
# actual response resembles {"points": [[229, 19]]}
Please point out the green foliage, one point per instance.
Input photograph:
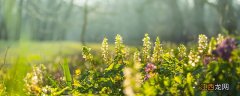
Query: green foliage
{"points": [[172, 71], [212, 45], [67, 73]]}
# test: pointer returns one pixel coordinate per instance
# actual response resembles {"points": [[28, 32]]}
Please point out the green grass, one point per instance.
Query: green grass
{"points": [[21, 57], [37, 52]]}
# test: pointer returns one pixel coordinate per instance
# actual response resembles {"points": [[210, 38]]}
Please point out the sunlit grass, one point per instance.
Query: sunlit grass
{"points": [[36, 52], [20, 57]]}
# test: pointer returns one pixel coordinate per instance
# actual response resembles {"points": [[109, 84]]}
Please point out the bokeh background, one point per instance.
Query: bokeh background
{"points": [[91, 20]]}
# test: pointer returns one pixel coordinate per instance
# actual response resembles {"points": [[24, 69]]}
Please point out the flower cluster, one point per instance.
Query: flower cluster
{"points": [[225, 48], [86, 54], [207, 59], [181, 52], [119, 49], [220, 38], [149, 69], [136, 57], [118, 44], [193, 58], [146, 48], [104, 50], [34, 80], [202, 43], [157, 51], [48, 90]]}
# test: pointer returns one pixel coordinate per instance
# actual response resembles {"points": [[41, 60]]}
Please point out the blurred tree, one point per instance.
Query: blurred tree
{"points": [[86, 11], [50, 22], [227, 13], [3, 29], [199, 16], [228, 16], [7, 24], [176, 27], [19, 22]]}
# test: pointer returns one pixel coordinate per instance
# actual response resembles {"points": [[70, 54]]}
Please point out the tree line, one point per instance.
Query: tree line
{"points": [[91, 20]]}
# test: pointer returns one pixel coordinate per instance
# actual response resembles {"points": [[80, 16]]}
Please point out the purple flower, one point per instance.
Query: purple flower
{"points": [[147, 76], [150, 67], [207, 59], [225, 48]]}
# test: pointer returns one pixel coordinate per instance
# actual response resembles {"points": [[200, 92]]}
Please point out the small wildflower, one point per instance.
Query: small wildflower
{"points": [[202, 43], [220, 38], [157, 51], [182, 51], [34, 80], [47, 90], [76, 83], [119, 50], [104, 48], [150, 67], [149, 70], [146, 48], [136, 57], [193, 58], [77, 72], [118, 44], [147, 76], [86, 54]]}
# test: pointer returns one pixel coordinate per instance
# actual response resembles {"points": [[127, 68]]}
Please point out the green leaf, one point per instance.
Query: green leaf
{"points": [[67, 73], [110, 67], [177, 79]]}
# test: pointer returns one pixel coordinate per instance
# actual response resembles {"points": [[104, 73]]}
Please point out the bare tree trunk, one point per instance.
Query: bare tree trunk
{"points": [[85, 21]]}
